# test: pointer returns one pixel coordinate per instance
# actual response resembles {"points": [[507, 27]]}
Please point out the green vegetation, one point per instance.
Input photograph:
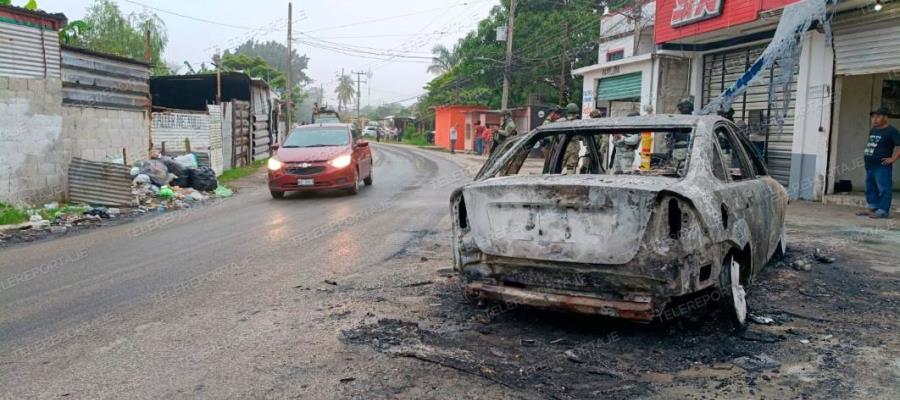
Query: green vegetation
{"points": [[107, 30], [410, 136], [11, 215], [14, 215], [471, 71], [240, 172], [345, 91]]}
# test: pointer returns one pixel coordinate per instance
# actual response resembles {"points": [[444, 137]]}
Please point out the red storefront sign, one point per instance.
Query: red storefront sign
{"points": [[677, 19], [690, 11]]}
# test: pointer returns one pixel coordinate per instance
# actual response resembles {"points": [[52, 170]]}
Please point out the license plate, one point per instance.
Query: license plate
{"points": [[306, 182]]}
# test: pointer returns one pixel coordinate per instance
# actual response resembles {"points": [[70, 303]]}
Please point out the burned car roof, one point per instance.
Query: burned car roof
{"points": [[658, 121]]}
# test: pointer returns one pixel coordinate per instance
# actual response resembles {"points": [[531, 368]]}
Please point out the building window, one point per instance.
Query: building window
{"points": [[890, 97], [614, 55]]}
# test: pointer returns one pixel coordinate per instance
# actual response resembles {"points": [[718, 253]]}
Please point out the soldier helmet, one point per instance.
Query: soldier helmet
{"points": [[505, 112], [595, 114], [686, 107], [572, 108]]}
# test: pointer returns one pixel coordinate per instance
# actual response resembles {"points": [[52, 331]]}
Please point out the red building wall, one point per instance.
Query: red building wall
{"points": [[447, 116], [733, 12]]}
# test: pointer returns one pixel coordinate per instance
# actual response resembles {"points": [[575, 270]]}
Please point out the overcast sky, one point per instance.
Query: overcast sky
{"points": [[407, 27]]}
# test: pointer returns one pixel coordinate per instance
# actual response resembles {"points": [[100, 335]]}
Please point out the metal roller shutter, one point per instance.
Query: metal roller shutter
{"points": [[867, 44], [622, 87], [721, 70]]}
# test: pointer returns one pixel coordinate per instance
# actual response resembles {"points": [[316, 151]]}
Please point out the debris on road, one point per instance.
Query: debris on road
{"points": [[802, 265], [762, 320], [756, 363], [572, 356]]}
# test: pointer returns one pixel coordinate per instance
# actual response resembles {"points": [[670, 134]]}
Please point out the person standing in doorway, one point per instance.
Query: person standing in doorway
{"points": [[882, 150], [486, 138], [453, 136], [479, 141]]}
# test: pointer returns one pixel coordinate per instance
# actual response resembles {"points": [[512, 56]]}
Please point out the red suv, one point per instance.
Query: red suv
{"points": [[320, 157]]}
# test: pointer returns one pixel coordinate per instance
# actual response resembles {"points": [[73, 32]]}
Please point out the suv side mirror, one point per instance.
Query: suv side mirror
{"points": [[275, 146], [362, 143]]}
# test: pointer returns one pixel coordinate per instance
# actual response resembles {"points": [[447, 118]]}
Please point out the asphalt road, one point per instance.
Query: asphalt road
{"points": [[202, 302]]}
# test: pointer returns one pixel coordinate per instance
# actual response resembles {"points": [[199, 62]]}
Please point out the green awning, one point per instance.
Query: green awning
{"points": [[622, 87]]}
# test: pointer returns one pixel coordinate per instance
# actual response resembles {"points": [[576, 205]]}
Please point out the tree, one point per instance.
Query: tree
{"points": [[538, 56], [344, 91], [274, 54], [73, 31], [442, 59], [112, 32]]}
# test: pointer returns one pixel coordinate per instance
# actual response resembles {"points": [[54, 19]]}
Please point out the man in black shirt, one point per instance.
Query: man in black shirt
{"points": [[882, 150]]}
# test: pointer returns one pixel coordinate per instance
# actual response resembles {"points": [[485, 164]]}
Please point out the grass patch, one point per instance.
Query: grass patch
{"points": [[416, 140], [240, 172], [11, 215]]}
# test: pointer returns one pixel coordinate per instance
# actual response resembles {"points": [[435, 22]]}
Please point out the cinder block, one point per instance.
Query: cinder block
{"points": [[36, 86], [18, 85]]}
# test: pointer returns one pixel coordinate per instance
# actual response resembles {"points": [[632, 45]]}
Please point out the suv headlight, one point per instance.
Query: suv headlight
{"points": [[274, 164], [341, 161]]}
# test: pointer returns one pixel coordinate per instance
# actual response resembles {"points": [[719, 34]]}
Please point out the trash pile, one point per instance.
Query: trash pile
{"points": [[158, 184], [162, 183]]}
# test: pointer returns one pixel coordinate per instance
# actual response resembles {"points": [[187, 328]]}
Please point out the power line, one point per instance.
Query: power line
{"points": [[391, 17], [198, 19]]}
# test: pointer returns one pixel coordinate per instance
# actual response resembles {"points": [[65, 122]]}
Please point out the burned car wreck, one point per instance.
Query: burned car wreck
{"points": [[619, 217]]}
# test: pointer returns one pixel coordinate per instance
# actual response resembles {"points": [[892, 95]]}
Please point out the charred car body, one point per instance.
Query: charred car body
{"points": [[548, 223]]}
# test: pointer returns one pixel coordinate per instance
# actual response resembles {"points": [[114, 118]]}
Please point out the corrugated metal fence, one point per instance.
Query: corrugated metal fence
{"points": [[99, 183], [28, 52], [104, 81]]}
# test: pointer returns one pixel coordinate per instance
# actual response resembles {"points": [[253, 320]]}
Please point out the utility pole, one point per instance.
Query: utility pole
{"points": [[504, 102], [563, 61], [290, 86], [217, 59], [358, 96]]}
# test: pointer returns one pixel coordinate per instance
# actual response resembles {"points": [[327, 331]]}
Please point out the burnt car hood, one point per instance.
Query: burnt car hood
{"points": [[572, 218]]}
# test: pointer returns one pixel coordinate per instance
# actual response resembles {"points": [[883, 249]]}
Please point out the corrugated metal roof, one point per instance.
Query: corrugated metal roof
{"points": [[28, 52], [99, 183]]}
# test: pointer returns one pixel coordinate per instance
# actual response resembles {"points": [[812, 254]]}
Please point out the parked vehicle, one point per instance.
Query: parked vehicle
{"points": [[320, 157], [325, 115], [370, 131], [700, 214]]}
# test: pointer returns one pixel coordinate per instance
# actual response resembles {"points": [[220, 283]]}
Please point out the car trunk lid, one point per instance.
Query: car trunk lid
{"points": [[579, 219]]}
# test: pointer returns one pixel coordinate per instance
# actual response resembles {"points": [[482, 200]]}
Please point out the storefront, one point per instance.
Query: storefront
{"points": [[867, 61], [765, 110], [784, 106], [622, 81]]}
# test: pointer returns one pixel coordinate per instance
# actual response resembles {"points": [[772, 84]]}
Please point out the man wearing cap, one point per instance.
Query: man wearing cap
{"points": [[882, 150]]}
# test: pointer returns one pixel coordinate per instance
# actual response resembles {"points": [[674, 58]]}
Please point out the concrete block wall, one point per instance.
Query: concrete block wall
{"points": [[31, 160], [100, 134], [39, 136]]}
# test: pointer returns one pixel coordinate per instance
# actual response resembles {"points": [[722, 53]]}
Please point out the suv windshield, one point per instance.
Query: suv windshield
{"points": [[320, 137], [660, 152]]}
